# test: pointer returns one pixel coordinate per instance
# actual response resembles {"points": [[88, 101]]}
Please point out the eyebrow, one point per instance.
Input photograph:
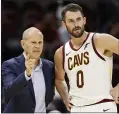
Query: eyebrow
{"points": [[36, 41], [70, 19], [40, 41], [76, 18]]}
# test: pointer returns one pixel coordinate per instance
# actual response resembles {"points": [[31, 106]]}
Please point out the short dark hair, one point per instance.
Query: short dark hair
{"points": [[71, 7]]}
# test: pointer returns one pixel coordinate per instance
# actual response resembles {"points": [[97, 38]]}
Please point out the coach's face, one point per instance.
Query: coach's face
{"points": [[75, 22], [33, 45]]}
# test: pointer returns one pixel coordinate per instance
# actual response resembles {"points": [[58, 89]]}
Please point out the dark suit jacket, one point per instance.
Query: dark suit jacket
{"points": [[19, 93]]}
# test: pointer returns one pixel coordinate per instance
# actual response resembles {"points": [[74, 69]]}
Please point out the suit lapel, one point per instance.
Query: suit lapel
{"points": [[30, 85], [44, 68], [21, 61]]}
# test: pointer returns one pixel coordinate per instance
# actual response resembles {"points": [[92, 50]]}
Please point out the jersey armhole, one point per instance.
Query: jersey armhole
{"points": [[95, 50], [63, 56]]}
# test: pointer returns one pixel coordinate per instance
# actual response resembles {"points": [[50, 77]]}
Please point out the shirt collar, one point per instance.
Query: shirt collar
{"points": [[41, 63], [24, 55]]}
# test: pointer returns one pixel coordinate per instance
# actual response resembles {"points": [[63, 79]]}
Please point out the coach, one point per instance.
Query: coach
{"points": [[28, 80]]}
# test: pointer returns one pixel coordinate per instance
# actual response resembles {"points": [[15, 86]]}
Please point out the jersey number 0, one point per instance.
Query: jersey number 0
{"points": [[80, 79]]}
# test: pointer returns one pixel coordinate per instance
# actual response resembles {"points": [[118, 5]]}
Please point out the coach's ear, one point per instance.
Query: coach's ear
{"points": [[22, 44]]}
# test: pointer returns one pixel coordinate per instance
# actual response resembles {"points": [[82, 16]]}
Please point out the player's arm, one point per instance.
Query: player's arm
{"points": [[110, 43], [60, 78], [107, 42], [115, 93]]}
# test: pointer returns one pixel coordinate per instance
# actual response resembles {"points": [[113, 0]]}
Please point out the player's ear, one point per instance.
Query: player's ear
{"points": [[63, 24], [84, 18]]}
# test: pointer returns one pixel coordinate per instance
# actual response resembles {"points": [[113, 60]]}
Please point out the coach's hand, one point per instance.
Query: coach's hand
{"points": [[115, 93], [30, 64], [68, 103]]}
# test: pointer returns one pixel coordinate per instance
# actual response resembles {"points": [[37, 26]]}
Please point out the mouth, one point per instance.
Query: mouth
{"points": [[77, 29], [36, 51]]}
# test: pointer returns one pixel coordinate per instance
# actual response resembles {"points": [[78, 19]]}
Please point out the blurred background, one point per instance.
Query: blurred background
{"points": [[18, 15]]}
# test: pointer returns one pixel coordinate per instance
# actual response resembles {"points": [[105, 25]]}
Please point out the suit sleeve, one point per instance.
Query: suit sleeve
{"points": [[53, 80], [12, 84]]}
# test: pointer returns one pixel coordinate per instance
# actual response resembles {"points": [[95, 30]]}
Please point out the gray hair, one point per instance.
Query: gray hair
{"points": [[28, 32]]}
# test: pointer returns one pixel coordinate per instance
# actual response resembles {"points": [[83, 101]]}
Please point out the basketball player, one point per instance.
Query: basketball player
{"points": [[87, 61]]}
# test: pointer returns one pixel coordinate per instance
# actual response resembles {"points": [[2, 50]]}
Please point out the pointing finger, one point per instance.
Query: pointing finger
{"points": [[28, 57]]}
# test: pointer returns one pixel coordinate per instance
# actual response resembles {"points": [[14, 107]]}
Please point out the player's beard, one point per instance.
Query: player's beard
{"points": [[77, 32]]}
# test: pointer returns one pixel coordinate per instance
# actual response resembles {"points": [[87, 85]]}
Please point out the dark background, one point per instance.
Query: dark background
{"points": [[18, 15]]}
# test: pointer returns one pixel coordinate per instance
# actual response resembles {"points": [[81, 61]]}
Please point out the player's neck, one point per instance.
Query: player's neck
{"points": [[78, 41]]}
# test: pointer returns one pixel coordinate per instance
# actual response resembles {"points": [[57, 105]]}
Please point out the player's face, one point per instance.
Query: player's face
{"points": [[33, 46], [75, 22]]}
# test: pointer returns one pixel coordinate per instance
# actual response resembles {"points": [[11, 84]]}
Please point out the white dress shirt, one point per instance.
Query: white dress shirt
{"points": [[38, 81]]}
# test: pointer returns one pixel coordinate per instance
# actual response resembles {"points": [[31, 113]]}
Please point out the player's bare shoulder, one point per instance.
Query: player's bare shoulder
{"points": [[58, 54], [106, 42], [102, 37], [99, 35], [58, 59]]}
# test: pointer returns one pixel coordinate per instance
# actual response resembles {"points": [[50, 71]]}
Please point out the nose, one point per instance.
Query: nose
{"points": [[37, 45], [76, 24]]}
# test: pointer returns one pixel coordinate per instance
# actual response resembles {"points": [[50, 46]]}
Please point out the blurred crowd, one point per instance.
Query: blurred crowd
{"points": [[102, 17]]}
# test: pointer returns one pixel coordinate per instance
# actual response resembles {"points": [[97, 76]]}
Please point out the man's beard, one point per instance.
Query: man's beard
{"points": [[78, 34]]}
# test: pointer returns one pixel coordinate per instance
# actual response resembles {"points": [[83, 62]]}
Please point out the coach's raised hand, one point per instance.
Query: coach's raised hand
{"points": [[30, 64]]}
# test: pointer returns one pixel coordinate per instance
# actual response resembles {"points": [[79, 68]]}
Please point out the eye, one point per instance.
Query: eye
{"points": [[33, 42], [71, 21], [39, 42], [78, 19]]}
